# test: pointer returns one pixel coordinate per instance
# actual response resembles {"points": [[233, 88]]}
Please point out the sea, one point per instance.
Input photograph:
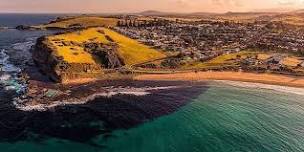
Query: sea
{"points": [[209, 116]]}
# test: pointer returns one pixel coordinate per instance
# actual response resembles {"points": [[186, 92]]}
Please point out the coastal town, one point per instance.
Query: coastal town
{"points": [[203, 40]]}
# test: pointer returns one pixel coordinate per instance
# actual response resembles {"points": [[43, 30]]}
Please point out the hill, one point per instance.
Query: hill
{"points": [[87, 53], [79, 22]]}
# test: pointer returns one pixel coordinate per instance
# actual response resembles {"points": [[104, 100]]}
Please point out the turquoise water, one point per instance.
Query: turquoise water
{"points": [[222, 119]]}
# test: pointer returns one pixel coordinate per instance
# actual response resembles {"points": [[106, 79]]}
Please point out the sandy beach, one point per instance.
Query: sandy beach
{"points": [[274, 79]]}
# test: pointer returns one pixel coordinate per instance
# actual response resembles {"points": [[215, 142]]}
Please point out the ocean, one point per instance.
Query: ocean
{"points": [[15, 47], [12, 20], [212, 116]]}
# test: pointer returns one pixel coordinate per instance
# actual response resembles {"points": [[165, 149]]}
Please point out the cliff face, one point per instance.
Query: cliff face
{"points": [[107, 54], [59, 70]]}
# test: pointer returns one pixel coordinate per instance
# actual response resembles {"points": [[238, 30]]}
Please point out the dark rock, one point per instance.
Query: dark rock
{"points": [[171, 63], [109, 38], [76, 26], [23, 27], [106, 53], [56, 68]]}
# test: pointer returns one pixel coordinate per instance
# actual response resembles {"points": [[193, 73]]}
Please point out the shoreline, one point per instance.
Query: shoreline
{"points": [[271, 79], [43, 96]]}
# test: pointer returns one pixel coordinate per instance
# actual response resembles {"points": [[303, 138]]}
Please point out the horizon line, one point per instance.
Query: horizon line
{"points": [[138, 12]]}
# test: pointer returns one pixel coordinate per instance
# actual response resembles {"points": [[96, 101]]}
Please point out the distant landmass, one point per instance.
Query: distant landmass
{"points": [[202, 14]]}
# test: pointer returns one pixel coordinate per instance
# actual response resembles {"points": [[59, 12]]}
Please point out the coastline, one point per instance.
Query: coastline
{"points": [[272, 79], [42, 96]]}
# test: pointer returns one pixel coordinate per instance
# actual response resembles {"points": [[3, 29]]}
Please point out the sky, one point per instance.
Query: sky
{"points": [[119, 6]]}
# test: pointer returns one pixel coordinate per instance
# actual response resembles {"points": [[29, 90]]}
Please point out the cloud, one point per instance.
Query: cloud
{"points": [[181, 3], [291, 2], [236, 3], [141, 5]]}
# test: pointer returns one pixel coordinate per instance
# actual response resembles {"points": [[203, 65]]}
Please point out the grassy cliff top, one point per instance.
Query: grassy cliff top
{"points": [[70, 46], [132, 51], [85, 21]]}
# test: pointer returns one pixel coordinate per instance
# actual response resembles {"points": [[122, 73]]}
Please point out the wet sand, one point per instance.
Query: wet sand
{"points": [[274, 79]]}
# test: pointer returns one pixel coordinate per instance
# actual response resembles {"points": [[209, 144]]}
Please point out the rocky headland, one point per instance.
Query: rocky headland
{"points": [[83, 65], [88, 53], [73, 23], [59, 69]]}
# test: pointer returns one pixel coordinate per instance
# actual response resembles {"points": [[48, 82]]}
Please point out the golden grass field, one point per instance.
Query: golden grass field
{"points": [[85, 21], [223, 60], [75, 54], [292, 61], [290, 19], [131, 51], [229, 60]]}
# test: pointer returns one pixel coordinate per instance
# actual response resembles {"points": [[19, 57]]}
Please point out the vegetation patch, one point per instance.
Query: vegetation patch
{"points": [[131, 50], [80, 22], [292, 61], [222, 60]]}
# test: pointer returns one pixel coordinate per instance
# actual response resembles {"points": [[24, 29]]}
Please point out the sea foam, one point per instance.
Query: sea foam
{"points": [[8, 74], [285, 89], [19, 104], [4, 78], [24, 46], [5, 65]]}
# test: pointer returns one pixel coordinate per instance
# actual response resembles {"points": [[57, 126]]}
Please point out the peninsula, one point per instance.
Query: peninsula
{"points": [[89, 53]]}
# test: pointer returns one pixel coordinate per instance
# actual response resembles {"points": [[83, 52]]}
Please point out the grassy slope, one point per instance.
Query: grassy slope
{"points": [[223, 60], [130, 50], [86, 21], [75, 54], [228, 60], [290, 19], [292, 61]]}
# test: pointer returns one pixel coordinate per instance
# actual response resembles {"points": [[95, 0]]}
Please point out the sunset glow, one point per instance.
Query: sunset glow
{"points": [[102, 6]]}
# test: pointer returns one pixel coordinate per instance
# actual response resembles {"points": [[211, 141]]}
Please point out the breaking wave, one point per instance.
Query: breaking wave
{"points": [[8, 74], [24, 46], [284, 89], [19, 104], [6, 66]]}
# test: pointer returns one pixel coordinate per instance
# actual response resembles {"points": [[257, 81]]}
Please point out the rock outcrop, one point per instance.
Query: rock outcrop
{"points": [[107, 54], [24, 27], [57, 68]]}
